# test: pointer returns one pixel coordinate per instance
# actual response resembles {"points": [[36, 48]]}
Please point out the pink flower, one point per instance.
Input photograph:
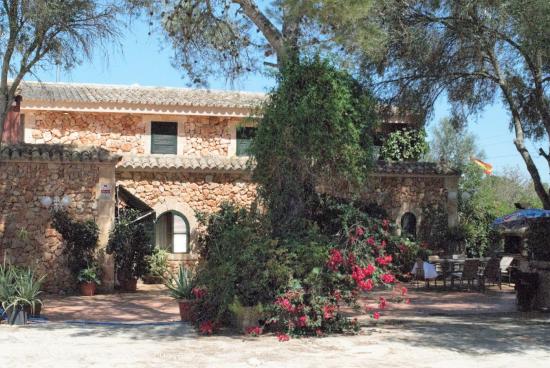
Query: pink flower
{"points": [[408, 301], [254, 331], [384, 261], [366, 285], [335, 259], [302, 321], [283, 337], [382, 303], [199, 293], [285, 304], [206, 328], [376, 315], [387, 278], [369, 270], [371, 241], [383, 244], [359, 231], [319, 332], [404, 291], [328, 311]]}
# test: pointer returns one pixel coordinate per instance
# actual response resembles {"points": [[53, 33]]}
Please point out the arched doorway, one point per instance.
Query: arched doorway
{"points": [[408, 225], [172, 232]]}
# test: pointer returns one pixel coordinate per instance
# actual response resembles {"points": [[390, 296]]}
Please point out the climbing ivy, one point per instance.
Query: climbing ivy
{"points": [[405, 145]]}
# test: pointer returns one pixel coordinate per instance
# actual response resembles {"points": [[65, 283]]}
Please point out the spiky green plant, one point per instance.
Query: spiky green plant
{"points": [[180, 286]]}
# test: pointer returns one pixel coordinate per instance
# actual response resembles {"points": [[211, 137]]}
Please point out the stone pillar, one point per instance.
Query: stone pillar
{"points": [[105, 219], [451, 186], [542, 298]]}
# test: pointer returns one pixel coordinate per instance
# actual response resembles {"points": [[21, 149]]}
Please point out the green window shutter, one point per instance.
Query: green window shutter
{"points": [[164, 138], [244, 140]]}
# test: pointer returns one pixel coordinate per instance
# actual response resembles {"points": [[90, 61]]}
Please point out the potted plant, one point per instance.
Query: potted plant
{"points": [[20, 294], [181, 289], [89, 279], [130, 244], [158, 267]]}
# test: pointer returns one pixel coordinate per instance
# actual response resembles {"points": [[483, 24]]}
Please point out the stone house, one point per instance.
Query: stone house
{"points": [[169, 152]]}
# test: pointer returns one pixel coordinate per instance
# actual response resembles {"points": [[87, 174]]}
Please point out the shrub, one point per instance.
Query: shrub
{"points": [[238, 262], [130, 243], [405, 145], [80, 239], [158, 263]]}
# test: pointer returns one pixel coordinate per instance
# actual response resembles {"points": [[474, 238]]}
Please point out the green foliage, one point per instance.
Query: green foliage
{"points": [[315, 129], [19, 287], [80, 240], [471, 52], [47, 33], [130, 243], [238, 261], [90, 274], [158, 262], [453, 144], [180, 286], [434, 228], [405, 145]]}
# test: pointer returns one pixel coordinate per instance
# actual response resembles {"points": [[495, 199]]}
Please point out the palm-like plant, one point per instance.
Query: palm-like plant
{"points": [[180, 285], [20, 287]]}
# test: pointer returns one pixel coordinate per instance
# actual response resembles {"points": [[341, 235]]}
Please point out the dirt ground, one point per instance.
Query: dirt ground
{"points": [[438, 329], [419, 342]]}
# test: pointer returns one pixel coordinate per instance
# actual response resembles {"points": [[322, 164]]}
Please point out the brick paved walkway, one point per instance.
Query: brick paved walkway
{"points": [[152, 304]]}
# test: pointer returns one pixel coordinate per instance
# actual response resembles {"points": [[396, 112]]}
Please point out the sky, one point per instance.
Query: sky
{"points": [[140, 58]]}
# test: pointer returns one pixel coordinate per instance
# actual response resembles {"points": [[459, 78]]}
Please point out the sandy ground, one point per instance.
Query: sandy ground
{"points": [[452, 341]]}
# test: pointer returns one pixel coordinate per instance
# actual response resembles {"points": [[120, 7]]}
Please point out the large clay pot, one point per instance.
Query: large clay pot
{"points": [[17, 316], [246, 317], [187, 310], [129, 285], [88, 288]]}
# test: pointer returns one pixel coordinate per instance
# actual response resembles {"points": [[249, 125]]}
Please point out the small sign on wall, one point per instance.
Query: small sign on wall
{"points": [[105, 191]]}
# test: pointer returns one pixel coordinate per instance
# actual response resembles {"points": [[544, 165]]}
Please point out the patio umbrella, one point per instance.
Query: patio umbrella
{"points": [[520, 218]]}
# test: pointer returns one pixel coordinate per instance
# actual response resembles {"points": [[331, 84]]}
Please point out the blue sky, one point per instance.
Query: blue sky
{"points": [[141, 59]]}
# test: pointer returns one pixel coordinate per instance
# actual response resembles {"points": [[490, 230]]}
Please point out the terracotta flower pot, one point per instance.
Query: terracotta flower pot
{"points": [[88, 288], [129, 285], [187, 310]]}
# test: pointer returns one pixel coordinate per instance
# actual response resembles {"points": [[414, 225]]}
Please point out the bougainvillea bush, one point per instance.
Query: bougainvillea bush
{"points": [[365, 259], [301, 285]]}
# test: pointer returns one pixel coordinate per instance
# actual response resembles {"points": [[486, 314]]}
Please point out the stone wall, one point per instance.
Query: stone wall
{"points": [[130, 133], [188, 193], [202, 192], [26, 236], [119, 133], [206, 136]]}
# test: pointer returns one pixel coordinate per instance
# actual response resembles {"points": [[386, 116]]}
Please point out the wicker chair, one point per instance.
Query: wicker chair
{"points": [[491, 273], [470, 272]]}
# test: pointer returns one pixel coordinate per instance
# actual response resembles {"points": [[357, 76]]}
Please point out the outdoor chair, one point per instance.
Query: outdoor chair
{"points": [[419, 273], [491, 273], [444, 271], [470, 272], [506, 267]]}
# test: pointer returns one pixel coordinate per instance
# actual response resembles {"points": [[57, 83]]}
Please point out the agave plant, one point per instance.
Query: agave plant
{"points": [[23, 288], [7, 287], [180, 285]]}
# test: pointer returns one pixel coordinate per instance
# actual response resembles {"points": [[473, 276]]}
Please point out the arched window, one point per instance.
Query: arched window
{"points": [[408, 225], [172, 232]]}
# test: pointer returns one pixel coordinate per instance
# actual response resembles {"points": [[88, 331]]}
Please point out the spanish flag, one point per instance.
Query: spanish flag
{"points": [[487, 168]]}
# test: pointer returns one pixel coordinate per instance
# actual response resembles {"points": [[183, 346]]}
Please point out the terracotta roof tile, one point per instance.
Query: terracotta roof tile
{"points": [[139, 95], [51, 152], [192, 163]]}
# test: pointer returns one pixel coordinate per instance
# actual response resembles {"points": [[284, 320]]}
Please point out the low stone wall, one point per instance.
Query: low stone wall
{"points": [[26, 235]]}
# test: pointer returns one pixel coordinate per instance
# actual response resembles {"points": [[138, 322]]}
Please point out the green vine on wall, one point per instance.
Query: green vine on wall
{"points": [[405, 145]]}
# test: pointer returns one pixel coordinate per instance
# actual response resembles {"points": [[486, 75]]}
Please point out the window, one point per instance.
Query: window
{"points": [[164, 138], [244, 139], [408, 225], [172, 232]]}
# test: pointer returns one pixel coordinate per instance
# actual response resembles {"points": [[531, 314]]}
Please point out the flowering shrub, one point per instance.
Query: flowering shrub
{"points": [[206, 327], [254, 331]]}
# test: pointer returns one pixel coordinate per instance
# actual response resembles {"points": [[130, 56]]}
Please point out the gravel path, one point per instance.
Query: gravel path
{"points": [[491, 341]]}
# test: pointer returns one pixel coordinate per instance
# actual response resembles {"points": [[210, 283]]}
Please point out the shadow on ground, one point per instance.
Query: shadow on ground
{"points": [[476, 334]]}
